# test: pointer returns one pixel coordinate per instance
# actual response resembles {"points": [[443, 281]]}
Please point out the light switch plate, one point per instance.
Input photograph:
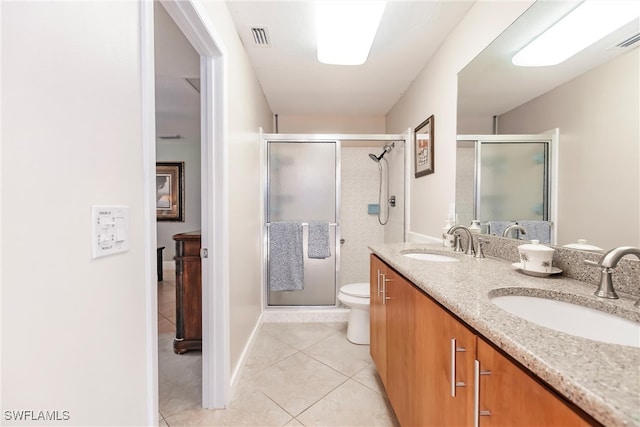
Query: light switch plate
{"points": [[110, 230]]}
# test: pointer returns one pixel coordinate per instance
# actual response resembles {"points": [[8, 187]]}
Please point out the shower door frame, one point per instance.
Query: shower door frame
{"points": [[551, 138], [265, 138]]}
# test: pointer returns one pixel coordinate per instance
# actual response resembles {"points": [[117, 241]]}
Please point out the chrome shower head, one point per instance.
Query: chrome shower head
{"points": [[386, 148]]}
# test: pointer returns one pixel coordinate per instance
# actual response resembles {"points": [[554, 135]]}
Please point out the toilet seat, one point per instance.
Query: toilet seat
{"points": [[360, 290]]}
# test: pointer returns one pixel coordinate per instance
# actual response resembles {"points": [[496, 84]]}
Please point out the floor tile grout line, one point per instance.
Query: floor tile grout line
{"points": [[379, 390], [335, 369], [271, 365], [276, 403], [344, 377], [323, 397], [328, 366]]}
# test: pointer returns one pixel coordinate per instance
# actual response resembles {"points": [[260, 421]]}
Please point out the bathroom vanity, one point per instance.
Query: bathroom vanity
{"points": [[188, 292], [447, 355]]}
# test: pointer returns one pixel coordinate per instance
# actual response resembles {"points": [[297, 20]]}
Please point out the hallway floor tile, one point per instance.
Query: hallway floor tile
{"points": [[298, 374]]}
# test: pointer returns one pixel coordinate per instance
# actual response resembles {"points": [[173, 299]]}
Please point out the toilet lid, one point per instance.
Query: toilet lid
{"points": [[356, 290]]}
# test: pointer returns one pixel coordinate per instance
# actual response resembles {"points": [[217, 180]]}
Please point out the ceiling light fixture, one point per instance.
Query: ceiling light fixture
{"points": [[583, 26], [346, 29]]}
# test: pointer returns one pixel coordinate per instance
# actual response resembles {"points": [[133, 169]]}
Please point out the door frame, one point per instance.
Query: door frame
{"points": [[552, 139], [192, 21]]}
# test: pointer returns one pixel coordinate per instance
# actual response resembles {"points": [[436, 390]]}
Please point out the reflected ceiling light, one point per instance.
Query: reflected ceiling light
{"points": [[345, 30], [583, 26]]}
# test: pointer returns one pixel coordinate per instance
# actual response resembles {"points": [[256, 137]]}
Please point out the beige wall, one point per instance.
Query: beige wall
{"points": [[435, 92], [599, 151], [74, 332], [248, 111], [331, 124]]}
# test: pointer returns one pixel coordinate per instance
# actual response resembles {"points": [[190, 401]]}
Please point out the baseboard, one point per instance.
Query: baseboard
{"points": [[237, 372], [273, 315]]}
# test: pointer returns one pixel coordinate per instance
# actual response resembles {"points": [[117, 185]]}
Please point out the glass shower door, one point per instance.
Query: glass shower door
{"points": [[513, 181], [302, 186]]}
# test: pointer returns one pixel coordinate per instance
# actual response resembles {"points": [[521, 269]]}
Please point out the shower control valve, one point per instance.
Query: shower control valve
{"points": [[392, 201]]}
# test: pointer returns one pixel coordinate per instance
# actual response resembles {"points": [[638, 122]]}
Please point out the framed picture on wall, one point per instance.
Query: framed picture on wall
{"points": [[170, 191], [424, 141]]}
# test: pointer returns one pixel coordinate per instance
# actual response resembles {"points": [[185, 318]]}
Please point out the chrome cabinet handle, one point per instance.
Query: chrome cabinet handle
{"points": [[378, 283], [384, 288], [455, 349], [477, 413]]}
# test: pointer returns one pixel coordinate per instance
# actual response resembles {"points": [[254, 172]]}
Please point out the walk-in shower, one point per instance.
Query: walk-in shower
{"points": [[323, 178], [389, 200]]}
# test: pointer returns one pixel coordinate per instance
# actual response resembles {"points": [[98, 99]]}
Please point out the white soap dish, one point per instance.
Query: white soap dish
{"points": [[552, 270]]}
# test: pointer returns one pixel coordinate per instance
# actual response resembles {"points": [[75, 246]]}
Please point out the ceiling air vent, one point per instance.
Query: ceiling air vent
{"points": [[628, 42], [261, 36]]}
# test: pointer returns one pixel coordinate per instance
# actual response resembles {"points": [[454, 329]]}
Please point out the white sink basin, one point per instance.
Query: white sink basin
{"points": [[572, 319], [430, 257]]}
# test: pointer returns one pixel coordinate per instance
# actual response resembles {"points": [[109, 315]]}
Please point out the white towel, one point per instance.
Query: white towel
{"points": [[286, 264], [318, 243], [537, 230]]}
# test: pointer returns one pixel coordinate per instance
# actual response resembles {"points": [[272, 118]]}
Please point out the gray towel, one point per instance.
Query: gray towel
{"points": [[496, 228], [286, 267], [537, 230], [318, 244]]}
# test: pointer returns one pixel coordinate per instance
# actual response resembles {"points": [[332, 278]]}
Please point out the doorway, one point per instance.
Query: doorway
{"points": [[178, 160], [215, 364]]}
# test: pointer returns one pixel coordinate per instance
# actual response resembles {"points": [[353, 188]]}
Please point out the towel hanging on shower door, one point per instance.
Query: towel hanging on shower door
{"points": [[286, 264], [537, 230], [318, 241]]}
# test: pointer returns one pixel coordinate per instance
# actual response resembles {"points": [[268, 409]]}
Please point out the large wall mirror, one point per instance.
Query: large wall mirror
{"points": [[592, 99]]}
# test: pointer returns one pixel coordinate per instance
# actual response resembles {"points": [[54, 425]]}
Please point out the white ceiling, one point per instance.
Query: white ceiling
{"points": [[295, 83]]}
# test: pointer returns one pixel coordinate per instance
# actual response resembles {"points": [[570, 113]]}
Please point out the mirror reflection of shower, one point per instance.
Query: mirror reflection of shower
{"points": [[391, 200]]}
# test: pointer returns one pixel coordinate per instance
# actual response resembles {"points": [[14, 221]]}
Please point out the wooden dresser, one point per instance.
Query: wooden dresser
{"points": [[188, 293]]}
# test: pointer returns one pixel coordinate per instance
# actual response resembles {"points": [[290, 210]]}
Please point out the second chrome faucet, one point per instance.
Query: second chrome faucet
{"points": [[607, 263]]}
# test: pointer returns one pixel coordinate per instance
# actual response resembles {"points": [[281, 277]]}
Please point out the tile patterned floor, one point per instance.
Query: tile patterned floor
{"points": [[298, 374]]}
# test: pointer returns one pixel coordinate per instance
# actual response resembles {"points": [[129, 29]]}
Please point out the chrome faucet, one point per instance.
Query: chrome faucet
{"points": [[455, 229], [608, 262], [479, 253], [514, 227]]}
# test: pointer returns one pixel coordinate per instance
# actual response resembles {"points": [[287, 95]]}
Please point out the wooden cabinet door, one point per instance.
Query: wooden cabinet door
{"points": [[401, 340], [510, 397], [445, 354], [377, 317], [188, 293]]}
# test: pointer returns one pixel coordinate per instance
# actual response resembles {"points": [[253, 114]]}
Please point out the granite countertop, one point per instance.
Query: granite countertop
{"points": [[602, 379]]}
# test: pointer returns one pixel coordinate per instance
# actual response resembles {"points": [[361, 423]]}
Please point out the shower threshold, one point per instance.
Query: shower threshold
{"points": [[305, 314]]}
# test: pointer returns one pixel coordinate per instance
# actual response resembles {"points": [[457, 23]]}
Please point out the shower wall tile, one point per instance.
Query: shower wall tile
{"points": [[359, 188], [394, 230]]}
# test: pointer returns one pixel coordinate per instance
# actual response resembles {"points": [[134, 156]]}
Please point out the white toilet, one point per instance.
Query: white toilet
{"points": [[356, 296]]}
